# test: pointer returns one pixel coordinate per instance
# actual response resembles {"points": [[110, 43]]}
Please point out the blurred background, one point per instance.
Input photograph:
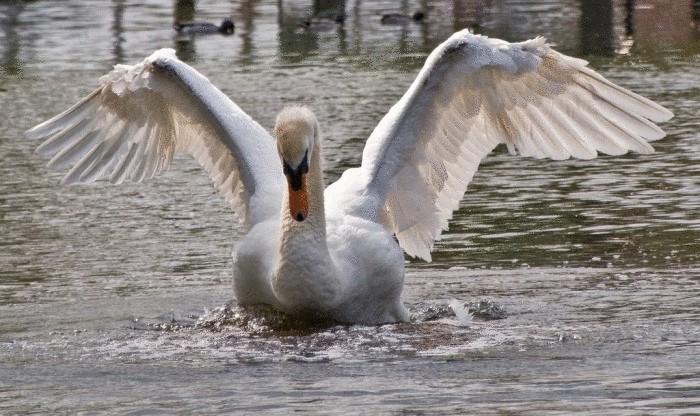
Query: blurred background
{"points": [[267, 31]]}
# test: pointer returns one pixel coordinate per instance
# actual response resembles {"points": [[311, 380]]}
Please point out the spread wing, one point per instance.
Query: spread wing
{"points": [[131, 126], [472, 94]]}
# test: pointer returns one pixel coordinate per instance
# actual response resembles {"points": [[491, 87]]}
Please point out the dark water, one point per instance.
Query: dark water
{"points": [[114, 299]]}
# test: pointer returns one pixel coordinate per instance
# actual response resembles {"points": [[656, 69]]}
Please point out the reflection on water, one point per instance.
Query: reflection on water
{"points": [[117, 30], [597, 18], [593, 264], [10, 39]]}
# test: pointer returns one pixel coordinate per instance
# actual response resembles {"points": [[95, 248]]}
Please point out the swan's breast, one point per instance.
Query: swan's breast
{"points": [[372, 264], [366, 254]]}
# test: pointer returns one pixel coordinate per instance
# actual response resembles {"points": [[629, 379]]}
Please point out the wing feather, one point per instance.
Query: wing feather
{"points": [[124, 165], [620, 97], [72, 153], [472, 94], [130, 127]]}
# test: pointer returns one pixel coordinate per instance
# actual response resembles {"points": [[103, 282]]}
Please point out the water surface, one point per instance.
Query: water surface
{"points": [[118, 299]]}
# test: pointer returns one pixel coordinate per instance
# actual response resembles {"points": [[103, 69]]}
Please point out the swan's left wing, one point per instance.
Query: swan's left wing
{"points": [[472, 94]]}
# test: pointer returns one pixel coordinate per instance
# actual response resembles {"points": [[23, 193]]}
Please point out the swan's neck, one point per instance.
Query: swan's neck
{"points": [[306, 277]]}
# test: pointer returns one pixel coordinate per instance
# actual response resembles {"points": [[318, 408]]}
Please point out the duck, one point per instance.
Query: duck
{"points": [[204, 28], [401, 19], [323, 24], [337, 252]]}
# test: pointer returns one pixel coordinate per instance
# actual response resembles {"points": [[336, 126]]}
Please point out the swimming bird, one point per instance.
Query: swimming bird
{"points": [[338, 252], [323, 24], [401, 19], [204, 28]]}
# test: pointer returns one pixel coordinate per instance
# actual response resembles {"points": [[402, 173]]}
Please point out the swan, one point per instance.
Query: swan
{"points": [[338, 252]]}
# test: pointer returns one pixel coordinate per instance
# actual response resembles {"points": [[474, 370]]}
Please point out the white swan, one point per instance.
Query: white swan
{"points": [[333, 253]]}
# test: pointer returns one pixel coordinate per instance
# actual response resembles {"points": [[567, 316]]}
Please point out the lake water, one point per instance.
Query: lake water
{"points": [[586, 273]]}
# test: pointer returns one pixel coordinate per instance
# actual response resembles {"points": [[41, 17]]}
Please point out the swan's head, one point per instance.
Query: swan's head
{"points": [[295, 130]]}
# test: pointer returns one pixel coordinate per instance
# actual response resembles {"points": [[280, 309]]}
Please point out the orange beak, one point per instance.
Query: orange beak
{"points": [[299, 201]]}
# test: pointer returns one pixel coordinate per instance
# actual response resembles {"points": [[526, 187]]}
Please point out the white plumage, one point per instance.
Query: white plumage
{"points": [[332, 252]]}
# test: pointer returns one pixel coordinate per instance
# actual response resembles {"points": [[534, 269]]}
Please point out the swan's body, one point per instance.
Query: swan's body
{"points": [[333, 253], [342, 266]]}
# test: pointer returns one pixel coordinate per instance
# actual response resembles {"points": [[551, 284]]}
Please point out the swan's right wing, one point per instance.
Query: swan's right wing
{"points": [[131, 126], [472, 94]]}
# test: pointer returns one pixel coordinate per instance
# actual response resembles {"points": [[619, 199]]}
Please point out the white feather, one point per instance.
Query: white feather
{"points": [[464, 317]]}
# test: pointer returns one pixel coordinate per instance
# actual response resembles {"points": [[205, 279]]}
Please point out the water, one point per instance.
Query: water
{"points": [[118, 299]]}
